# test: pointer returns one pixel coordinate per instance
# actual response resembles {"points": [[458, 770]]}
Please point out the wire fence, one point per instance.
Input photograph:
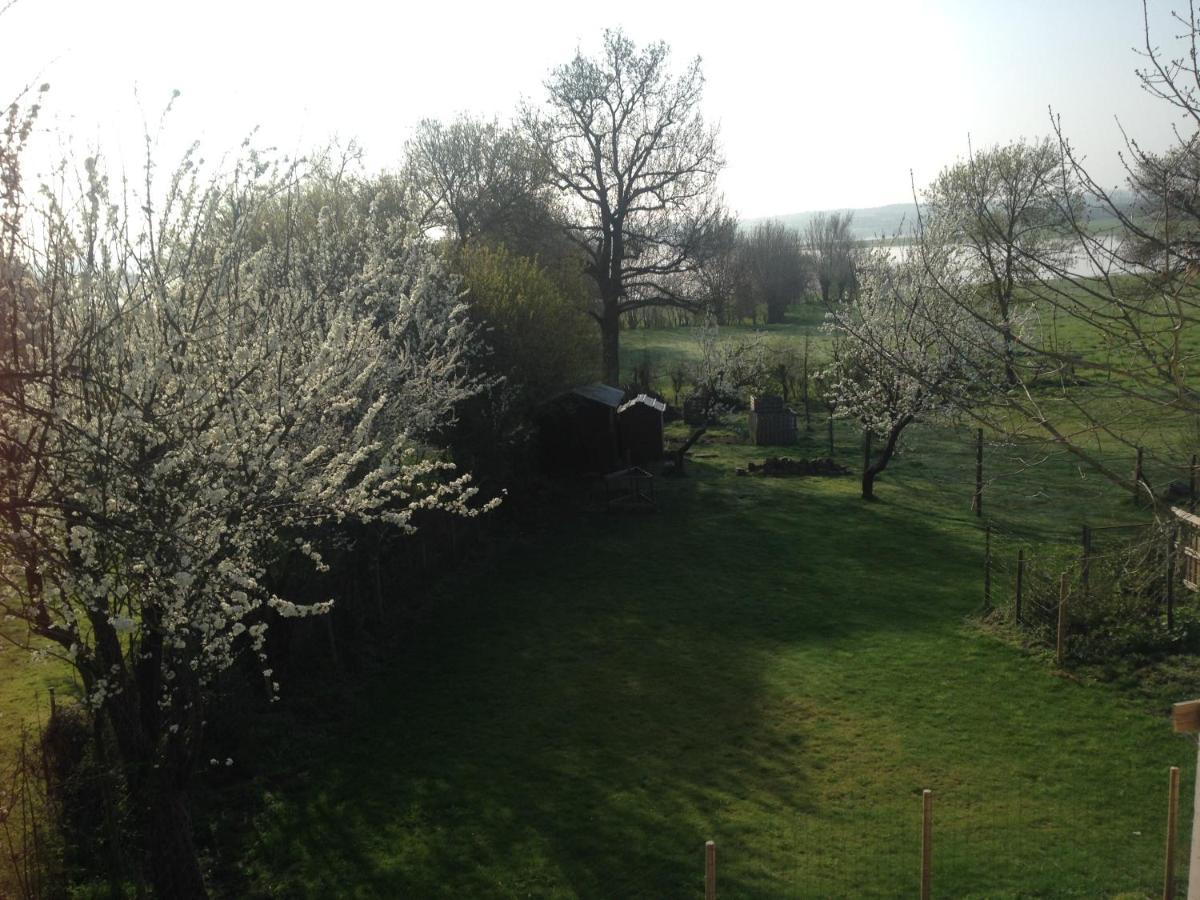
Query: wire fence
{"points": [[1119, 592], [977, 838]]}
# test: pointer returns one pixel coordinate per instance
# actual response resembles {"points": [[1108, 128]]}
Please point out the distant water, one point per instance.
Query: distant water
{"points": [[1079, 263]]}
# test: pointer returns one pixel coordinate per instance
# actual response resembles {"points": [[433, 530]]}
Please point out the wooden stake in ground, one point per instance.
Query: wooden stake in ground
{"points": [[1172, 831], [710, 871], [1185, 718], [926, 843]]}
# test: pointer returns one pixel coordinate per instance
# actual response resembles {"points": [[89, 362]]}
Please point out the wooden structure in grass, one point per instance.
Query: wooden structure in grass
{"points": [[578, 430], [1189, 546], [640, 421], [771, 423]]}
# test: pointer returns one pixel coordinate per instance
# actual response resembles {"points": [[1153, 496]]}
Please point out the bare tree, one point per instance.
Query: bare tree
{"points": [[777, 267], [626, 144], [831, 244], [723, 275]]}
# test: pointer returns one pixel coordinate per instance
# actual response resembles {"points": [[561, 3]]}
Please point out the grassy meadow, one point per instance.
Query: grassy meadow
{"points": [[769, 663]]}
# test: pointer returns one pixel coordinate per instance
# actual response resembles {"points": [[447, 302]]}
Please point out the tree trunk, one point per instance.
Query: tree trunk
{"points": [[872, 470], [679, 454], [1010, 370], [174, 867], [610, 337], [156, 774], [868, 478]]}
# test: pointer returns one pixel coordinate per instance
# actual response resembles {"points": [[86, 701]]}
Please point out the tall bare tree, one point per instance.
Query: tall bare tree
{"points": [[625, 142], [831, 244], [723, 276], [777, 266]]}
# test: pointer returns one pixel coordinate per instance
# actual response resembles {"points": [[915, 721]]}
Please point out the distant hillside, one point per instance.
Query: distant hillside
{"points": [[873, 222]]}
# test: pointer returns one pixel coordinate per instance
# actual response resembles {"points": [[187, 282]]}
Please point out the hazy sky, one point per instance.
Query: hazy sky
{"points": [[821, 104]]}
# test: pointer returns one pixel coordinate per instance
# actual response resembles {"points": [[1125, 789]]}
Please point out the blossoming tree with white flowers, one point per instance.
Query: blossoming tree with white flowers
{"points": [[901, 352], [194, 387]]}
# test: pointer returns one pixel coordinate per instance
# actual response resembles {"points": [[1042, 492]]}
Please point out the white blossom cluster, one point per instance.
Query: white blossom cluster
{"points": [[727, 368], [902, 349], [199, 382]]}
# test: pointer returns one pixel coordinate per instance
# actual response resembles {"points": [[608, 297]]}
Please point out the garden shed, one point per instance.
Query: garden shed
{"points": [[641, 427], [771, 423], [577, 430]]}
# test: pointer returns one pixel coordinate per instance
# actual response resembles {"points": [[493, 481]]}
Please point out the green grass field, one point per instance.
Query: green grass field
{"points": [[769, 663]]}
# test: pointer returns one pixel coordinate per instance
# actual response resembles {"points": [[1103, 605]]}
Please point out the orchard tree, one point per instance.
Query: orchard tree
{"points": [[183, 410], [726, 369], [1005, 208], [624, 141], [899, 352]]}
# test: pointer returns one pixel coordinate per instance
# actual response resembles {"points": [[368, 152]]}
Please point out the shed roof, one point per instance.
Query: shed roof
{"points": [[646, 400], [600, 393]]}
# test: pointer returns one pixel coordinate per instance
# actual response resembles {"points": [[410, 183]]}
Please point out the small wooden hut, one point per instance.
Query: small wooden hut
{"points": [[640, 421], [577, 430], [771, 423]]}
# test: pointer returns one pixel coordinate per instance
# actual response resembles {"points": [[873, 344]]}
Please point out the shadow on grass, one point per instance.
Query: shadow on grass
{"points": [[580, 719]]}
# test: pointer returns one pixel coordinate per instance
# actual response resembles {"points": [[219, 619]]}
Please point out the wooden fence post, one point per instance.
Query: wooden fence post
{"points": [[977, 499], [1185, 719], [987, 569], [1061, 643], [1192, 486], [1020, 582], [926, 842], [1172, 831], [710, 871]]}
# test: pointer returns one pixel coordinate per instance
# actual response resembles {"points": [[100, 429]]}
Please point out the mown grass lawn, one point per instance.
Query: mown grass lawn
{"points": [[768, 663]]}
